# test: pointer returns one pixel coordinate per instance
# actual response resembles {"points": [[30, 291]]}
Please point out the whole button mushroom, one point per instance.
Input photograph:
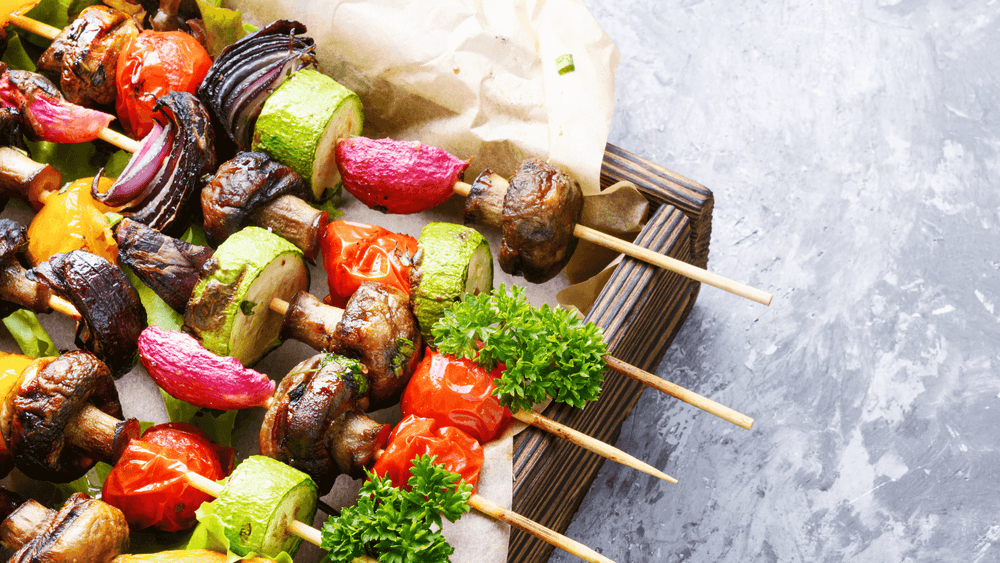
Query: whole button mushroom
{"points": [[63, 416], [316, 421], [15, 288], [112, 314], [253, 189], [68, 536], [536, 213], [376, 326]]}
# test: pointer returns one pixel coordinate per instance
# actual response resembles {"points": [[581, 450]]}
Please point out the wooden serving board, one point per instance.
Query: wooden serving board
{"points": [[552, 476]]}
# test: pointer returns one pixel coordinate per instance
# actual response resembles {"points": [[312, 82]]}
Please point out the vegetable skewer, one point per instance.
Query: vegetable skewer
{"points": [[280, 306], [495, 183], [487, 507]]}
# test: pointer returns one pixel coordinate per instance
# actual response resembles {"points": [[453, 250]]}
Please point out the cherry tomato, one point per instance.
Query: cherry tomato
{"points": [[72, 219], [354, 253], [456, 392], [148, 484], [415, 436], [153, 64]]}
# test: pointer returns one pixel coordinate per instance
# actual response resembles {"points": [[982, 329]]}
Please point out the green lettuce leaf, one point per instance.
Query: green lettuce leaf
{"points": [[15, 56], [158, 313], [30, 335], [217, 424], [223, 27]]}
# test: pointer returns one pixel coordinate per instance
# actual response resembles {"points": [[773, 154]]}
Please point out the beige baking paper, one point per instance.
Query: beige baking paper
{"points": [[477, 78]]}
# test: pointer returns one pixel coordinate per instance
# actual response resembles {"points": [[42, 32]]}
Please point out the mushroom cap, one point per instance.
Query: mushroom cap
{"points": [[316, 421], [242, 186], [70, 535], [379, 328], [13, 239], [540, 210], [113, 315], [34, 418]]}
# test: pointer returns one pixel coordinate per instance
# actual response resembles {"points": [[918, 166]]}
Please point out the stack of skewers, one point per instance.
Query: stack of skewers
{"points": [[268, 273]]}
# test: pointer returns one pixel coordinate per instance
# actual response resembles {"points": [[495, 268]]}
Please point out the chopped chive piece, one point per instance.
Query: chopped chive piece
{"points": [[564, 64]]}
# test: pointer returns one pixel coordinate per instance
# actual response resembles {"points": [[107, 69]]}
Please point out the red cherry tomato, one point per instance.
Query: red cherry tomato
{"points": [[456, 392], [415, 436], [153, 64], [148, 484], [354, 253]]}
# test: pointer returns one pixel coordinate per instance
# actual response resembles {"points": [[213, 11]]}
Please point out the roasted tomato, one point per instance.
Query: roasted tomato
{"points": [[148, 484], [72, 219], [151, 66], [354, 253], [415, 436], [456, 392]]}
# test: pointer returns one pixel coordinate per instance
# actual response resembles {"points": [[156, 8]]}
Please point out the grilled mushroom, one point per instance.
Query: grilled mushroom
{"points": [[316, 421], [376, 326], [64, 416], [84, 529], [540, 207], [23, 521], [112, 315], [169, 266], [85, 55], [253, 189], [16, 290]]}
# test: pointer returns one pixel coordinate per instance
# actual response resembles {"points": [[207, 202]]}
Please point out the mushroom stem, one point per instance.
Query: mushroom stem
{"points": [[20, 527], [308, 320], [17, 288], [24, 179], [294, 220], [100, 434]]}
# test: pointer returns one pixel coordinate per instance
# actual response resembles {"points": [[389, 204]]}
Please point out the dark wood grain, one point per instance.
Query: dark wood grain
{"points": [[640, 310], [663, 186]]}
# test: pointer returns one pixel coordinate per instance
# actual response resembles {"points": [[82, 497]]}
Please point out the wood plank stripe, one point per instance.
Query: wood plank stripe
{"points": [[553, 476]]}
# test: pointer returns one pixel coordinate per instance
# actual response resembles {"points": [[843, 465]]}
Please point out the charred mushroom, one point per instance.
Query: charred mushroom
{"points": [[85, 55], [376, 326], [112, 315], [63, 416], [169, 266], [84, 529], [253, 189], [16, 290], [316, 422], [535, 212], [160, 184]]}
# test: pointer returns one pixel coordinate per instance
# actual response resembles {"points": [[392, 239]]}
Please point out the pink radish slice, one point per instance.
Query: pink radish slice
{"points": [[181, 366], [397, 176]]}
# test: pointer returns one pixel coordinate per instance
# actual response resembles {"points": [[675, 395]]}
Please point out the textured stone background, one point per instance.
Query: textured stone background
{"points": [[853, 151]]}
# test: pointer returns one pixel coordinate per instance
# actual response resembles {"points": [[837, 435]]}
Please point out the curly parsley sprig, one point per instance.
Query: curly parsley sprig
{"points": [[395, 525], [548, 352]]}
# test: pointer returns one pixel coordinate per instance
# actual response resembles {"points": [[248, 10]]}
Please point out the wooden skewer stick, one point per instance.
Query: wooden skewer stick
{"points": [[487, 507], [648, 256], [280, 306], [590, 443], [678, 392]]}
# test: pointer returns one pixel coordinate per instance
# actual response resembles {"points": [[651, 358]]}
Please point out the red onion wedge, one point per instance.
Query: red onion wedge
{"points": [[181, 366], [135, 182]]}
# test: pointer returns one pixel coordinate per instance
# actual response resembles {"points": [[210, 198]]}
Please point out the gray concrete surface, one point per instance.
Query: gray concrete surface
{"points": [[853, 151]]}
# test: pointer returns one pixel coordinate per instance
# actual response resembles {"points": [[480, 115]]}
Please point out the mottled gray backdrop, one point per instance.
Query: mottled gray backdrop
{"points": [[853, 150]]}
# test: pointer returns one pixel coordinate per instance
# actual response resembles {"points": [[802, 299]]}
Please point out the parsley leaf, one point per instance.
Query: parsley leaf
{"points": [[395, 525], [548, 352]]}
